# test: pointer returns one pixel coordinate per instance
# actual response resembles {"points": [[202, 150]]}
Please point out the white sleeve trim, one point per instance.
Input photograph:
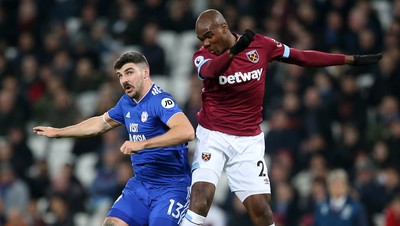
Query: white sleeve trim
{"points": [[104, 119], [286, 52], [199, 67]]}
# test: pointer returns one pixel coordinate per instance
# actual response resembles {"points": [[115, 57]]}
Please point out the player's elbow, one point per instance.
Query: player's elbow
{"points": [[189, 134]]}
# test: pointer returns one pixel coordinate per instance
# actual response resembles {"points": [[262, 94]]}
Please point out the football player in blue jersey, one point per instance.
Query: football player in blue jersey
{"points": [[158, 133]]}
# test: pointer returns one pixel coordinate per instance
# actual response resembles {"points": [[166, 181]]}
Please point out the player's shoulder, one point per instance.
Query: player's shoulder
{"points": [[263, 38], [161, 97]]}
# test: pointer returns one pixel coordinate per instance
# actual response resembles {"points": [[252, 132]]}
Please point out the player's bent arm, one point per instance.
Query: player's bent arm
{"points": [[216, 67], [181, 131], [89, 127]]}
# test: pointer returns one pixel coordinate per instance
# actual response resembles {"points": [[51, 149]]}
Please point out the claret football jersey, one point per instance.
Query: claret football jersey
{"points": [[146, 119], [233, 101]]}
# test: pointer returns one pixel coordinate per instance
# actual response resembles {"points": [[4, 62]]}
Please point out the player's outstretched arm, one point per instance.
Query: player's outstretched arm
{"points": [[181, 131], [311, 58], [90, 127]]}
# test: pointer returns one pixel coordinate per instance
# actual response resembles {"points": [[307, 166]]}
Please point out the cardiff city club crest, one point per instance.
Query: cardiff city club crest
{"points": [[144, 116], [205, 156], [253, 56]]}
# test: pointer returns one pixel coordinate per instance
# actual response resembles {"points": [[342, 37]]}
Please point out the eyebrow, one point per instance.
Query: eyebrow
{"points": [[129, 68], [205, 34]]}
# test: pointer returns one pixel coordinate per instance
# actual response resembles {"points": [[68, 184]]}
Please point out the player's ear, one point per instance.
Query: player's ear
{"points": [[146, 73], [225, 28]]}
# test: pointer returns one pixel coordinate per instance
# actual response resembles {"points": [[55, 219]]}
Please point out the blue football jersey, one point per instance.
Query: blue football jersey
{"points": [[147, 119]]}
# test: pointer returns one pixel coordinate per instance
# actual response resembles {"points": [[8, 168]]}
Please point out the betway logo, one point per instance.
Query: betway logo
{"points": [[240, 77]]}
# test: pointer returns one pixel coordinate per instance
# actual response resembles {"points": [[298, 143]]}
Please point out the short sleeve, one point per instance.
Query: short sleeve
{"points": [[116, 112], [276, 49], [165, 107]]}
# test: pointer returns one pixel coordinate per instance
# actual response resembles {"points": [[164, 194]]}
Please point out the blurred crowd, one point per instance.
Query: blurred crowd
{"points": [[56, 61]]}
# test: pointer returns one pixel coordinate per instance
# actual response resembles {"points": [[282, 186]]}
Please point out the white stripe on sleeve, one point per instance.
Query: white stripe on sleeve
{"points": [[286, 52]]}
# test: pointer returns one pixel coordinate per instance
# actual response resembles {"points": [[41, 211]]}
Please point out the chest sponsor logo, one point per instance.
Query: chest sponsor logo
{"points": [[206, 156], [144, 116], [167, 103], [253, 56], [240, 77], [137, 137]]}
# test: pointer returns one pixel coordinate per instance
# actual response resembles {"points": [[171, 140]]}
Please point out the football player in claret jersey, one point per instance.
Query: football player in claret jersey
{"points": [[233, 69], [158, 133]]}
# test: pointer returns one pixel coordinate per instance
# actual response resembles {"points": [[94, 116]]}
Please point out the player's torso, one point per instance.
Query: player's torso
{"points": [[143, 121], [234, 100]]}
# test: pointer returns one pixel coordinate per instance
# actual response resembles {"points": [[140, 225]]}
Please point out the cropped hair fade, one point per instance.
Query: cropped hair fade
{"points": [[131, 57]]}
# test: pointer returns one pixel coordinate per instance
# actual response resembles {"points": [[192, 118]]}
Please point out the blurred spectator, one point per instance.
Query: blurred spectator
{"points": [[237, 213], [154, 53], [281, 136], [333, 32], [15, 218], [85, 77], [367, 188], [127, 27], [62, 64], [348, 147], [326, 89], [104, 187], [246, 22], [351, 106], [14, 192], [10, 113], [392, 213], [339, 208], [67, 192], [394, 144], [62, 110], [384, 115], [390, 178], [284, 205], [380, 154], [386, 82], [21, 156], [39, 179], [193, 103], [317, 118], [317, 196], [33, 216], [60, 211], [153, 10], [179, 16], [303, 181]]}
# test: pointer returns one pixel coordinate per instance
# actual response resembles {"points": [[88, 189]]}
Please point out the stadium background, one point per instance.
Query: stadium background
{"points": [[56, 61]]}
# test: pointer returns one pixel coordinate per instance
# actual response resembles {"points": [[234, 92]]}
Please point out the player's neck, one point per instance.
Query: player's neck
{"points": [[145, 89], [232, 40]]}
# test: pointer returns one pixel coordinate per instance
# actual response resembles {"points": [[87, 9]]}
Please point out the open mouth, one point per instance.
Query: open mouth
{"points": [[128, 88]]}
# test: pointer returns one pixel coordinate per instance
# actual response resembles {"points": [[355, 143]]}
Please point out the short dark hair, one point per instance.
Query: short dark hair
{"points": [[131, 57]]}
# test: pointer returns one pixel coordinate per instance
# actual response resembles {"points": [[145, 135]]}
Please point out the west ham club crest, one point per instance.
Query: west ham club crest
{"points": [[205, 156], [253, 56]]}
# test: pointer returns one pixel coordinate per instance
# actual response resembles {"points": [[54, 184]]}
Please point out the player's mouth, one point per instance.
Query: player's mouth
{"points": [[128, 88]]}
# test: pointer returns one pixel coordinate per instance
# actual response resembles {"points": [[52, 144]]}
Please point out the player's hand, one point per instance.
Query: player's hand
{"points": [[130, 147], [243, 42], [361, 60], [46, 131]]}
